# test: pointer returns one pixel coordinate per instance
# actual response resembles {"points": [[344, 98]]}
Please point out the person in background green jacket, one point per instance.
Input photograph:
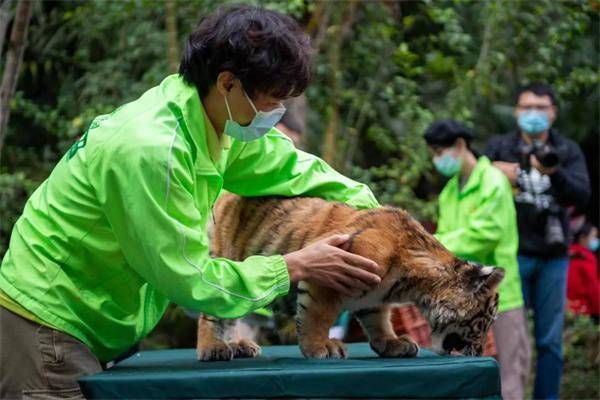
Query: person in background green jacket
{"points": [[477, 222], [118, 230]]}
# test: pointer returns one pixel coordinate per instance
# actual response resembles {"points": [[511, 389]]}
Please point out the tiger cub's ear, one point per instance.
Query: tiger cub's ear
{"points": [[484, 277], [491, 277], [494, 277]]}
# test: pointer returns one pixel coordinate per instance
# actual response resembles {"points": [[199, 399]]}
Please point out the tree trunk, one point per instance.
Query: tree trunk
{"points": [[12, 67], [318, 23], [344, 22], [173, 46], [4, 20]]}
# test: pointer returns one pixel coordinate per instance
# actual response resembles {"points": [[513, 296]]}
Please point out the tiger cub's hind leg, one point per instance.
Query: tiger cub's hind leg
{"points": [[382, 338], [212, 334]]}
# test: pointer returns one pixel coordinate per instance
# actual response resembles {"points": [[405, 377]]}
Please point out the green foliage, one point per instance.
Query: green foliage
{"points": [[85, 59], [581, 352], [406, 64], [582, 358], [399, 66], [529, 41], [14, 191], [382, 111]]}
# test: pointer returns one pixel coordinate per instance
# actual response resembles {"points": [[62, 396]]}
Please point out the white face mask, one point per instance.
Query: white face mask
{"points": [[262, 122]]}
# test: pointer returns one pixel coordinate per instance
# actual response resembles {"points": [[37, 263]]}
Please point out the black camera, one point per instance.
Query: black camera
{"points": [[545, 154]]}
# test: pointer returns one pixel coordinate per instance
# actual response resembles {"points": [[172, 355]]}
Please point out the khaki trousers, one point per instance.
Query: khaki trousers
{"points": [[513, 352], [37, 362]]}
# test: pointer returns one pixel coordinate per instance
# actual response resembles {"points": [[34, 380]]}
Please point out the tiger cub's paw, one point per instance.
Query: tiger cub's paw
{"points": [[330, 348], [245, 348], [403, 346], [214, 351]]}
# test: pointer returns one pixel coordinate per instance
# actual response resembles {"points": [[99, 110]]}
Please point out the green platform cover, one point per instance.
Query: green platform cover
{"points": [[282, 372]]}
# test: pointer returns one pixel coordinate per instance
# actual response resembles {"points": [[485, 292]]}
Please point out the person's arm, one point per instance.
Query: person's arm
{"points": [[485, 227], [492, 151], [273, 166], [149, 199], [570, 180]]}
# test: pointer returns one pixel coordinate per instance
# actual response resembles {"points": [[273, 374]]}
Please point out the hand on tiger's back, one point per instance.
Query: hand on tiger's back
{"points": [[326, 264]]}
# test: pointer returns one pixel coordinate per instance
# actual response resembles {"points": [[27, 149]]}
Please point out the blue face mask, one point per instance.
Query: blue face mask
{"points": [[533, 122], [447, 165], [594, 244], [262, 123]]}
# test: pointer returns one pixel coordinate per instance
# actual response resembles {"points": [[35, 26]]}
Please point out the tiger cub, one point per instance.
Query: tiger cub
{"points": [[458, 298]]}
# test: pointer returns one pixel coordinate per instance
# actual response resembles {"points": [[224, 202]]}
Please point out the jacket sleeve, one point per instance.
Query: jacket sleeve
{"points": [[150, 199], [273, 166], [571, 181], [485, 226]]}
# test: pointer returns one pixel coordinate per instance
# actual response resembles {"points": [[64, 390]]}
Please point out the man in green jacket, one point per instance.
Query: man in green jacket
{"points": [[477, 222], [118, 230]]}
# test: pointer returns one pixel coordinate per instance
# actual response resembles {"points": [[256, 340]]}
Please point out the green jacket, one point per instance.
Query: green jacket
{"points": [[119, 227], [478, 223]]}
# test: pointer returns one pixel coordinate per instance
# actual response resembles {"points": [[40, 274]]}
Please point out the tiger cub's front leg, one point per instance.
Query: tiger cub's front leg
{"points": [[317, 310], [213, 343], [383, 340], [212, 334]]}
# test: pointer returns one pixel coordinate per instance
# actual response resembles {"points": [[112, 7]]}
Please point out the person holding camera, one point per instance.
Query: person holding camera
{"points": [[477, 221], [549, 174]]}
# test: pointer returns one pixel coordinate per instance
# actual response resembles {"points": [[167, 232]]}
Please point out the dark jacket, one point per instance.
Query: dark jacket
{"points": [[568, 186]]}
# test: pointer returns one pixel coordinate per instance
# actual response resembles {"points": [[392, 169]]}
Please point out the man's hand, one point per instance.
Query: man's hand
{"points": [[537, 165], [511, 170], [325, 264]]}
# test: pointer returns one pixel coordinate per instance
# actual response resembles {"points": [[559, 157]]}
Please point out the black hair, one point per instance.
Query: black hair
{"points": [[267, 51], [444, 133], [584, 231], [539, 89]]}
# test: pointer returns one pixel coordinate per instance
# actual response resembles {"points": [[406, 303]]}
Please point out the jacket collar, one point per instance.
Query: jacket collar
{"points": [[475, 178], [186, 102], [554, 137]]}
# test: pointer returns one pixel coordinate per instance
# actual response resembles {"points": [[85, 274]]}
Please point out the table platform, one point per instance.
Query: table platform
{"points": [[282, 372]]}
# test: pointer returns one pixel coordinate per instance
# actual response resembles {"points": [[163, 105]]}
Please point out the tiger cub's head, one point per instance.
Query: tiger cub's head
{"points": [[462, 317]]}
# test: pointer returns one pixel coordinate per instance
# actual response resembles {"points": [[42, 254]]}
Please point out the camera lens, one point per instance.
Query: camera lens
{"points": [[547, 156]]}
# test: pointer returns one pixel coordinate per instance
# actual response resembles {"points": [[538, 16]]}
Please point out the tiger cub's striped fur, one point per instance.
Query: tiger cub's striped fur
{"points": [[458, 298]]}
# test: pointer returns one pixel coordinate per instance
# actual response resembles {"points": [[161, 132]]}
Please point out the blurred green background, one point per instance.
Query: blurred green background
{"points": [[384, 71]]}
